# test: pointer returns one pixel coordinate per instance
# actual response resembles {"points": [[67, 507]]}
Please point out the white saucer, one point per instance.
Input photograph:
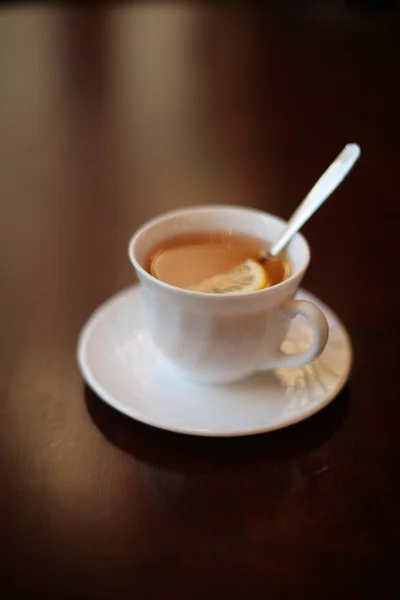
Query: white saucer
{"points": [[119, 362]]}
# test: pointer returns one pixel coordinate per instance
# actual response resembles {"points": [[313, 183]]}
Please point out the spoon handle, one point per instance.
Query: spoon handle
{"points": [[324, 187]]}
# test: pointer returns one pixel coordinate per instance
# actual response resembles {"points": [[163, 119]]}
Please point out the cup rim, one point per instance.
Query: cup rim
{"points": [[204, 208]]}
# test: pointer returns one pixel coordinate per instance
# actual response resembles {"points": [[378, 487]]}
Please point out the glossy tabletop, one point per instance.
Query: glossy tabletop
{"points": [[108, 117]]}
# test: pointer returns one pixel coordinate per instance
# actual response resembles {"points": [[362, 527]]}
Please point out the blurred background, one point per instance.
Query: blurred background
{"points": [[112, 113]]}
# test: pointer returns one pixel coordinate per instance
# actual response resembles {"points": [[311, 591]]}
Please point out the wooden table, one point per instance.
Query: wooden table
{"points": [[107, 118]]}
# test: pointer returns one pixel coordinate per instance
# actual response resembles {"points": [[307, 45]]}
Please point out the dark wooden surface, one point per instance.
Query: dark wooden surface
{"points": [[107, 118]]}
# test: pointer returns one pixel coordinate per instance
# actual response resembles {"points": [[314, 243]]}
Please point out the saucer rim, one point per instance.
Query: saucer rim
{"points": [[107, 397]]}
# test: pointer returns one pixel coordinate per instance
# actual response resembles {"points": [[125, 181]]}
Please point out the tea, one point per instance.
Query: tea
{"points": [[186, 260]]}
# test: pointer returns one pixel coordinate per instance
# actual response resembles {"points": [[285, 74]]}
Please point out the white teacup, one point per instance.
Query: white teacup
{"points": [[222, 338]]}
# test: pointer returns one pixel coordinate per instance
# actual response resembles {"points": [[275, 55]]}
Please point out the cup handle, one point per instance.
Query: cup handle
{"points": [[319, 324]]}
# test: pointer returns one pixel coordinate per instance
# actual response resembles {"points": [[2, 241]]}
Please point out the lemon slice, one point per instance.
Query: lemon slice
{"points": [[249, 276]]}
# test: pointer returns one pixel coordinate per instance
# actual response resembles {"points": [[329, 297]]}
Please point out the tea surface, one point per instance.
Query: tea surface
{"points": [[186, 260]]}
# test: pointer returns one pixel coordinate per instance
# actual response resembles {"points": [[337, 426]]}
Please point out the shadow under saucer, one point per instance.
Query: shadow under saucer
{"points": [[185, 453]]}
